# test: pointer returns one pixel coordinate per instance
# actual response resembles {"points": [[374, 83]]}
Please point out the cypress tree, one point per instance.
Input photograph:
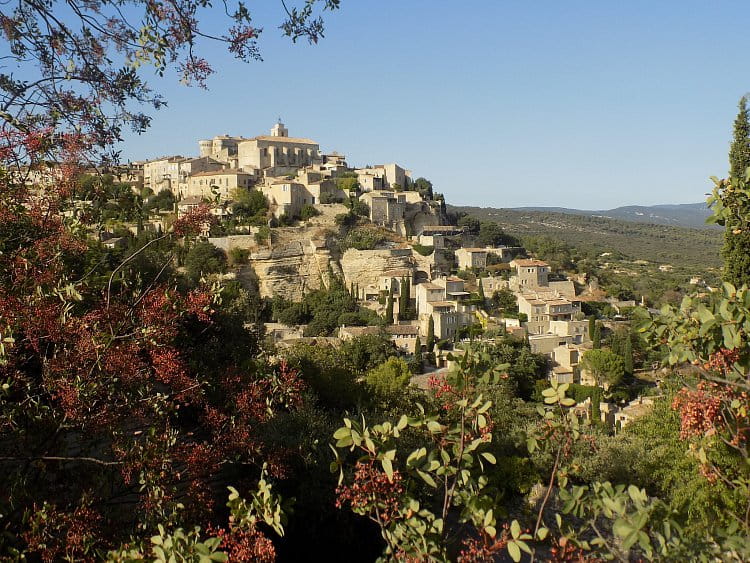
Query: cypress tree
{"points": [[481, 291], [597, 338], [592, 326], [627, 354], [403, 300], [736, 249], [389, 308], [430, 335], [418, 350]]}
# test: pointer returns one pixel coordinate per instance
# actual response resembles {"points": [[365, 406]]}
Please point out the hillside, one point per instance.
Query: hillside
{"points": [[679, 246], [678, 215]]}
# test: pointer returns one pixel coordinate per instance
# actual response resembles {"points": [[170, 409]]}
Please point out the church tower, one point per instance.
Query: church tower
{"points": [[279, 130]]}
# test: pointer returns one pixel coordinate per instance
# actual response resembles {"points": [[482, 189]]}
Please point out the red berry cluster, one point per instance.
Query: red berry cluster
{"points": [[372, 492]]}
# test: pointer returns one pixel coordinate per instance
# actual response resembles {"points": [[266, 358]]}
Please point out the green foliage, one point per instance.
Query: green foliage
{"points": [[505, 301], [552, 250], [689, 248], [452, 464], [423, 250], [736, 249], [249, 206], [389, 377], [347, 184], [263, 234], [430, 334], [471, 225], [308, 211], [424, 187], [491, 234], [605, 366], [238, 256], [204, 258], [163, 201], [362, 238], [389, 308], [596, 336]]}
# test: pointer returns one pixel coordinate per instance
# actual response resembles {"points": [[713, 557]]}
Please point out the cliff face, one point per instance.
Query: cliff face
{"points": [[364, 267], [291, 269]]}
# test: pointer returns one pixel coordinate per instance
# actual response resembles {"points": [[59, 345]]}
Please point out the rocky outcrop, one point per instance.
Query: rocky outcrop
{"points": [[292, 268], [364, 267]]}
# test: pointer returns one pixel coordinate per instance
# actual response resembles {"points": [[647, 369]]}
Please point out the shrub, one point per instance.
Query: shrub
{"points": [[239, 256], [308, 211], [424, 250]]}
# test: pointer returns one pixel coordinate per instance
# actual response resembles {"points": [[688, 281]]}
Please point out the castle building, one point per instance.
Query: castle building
{"points": [[271, 155]]}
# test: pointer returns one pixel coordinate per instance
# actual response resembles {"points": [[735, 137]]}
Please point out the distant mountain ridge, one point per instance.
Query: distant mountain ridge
{"points": [[691, 215]]}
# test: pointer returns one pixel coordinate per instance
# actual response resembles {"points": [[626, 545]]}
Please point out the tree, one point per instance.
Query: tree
{"points": [[83, 61], [627, 354], [308, 211], [605, 366], [430, 335], [204, 258], [491, 234], [390, 377], [596, 338], [736, 249], [481, 292], [424, 187], [505, 300], [470, 224], [415, 365], [144, 397], [389, 308], [404, 300]]}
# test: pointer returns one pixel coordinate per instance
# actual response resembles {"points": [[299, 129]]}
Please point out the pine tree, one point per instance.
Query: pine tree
{"points": [[389, 308], [736, 249]]}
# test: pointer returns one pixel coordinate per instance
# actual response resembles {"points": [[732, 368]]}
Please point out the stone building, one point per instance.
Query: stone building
{"points": [[219, 184], [265, 155], [383, 177], [172, 173]]}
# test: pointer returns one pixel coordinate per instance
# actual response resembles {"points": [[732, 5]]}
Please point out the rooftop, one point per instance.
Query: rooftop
{"points": [[527, 263], [272, 139], [225, 172]]}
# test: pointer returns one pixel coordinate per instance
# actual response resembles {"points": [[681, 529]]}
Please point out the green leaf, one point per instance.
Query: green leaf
{"points": [[427, 478], [621, 528], [541, 533], [342, 432], [531, 445], [515, 529], [489, 457], [434, 426], [514, 551], [387, 467]]}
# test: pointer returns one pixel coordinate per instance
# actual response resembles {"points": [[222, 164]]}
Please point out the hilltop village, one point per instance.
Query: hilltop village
{"points": [[291, 220]]}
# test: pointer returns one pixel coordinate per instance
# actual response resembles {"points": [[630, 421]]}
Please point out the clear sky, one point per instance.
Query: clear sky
{"points": [[587, 104]]}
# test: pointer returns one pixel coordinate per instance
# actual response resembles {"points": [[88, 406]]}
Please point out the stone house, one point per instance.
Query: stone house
{"points": [[287, 197], [219, 184], [468, 258]]}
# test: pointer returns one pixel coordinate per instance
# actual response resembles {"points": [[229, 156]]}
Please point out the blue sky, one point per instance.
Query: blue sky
{"points": [[587, 104]]}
